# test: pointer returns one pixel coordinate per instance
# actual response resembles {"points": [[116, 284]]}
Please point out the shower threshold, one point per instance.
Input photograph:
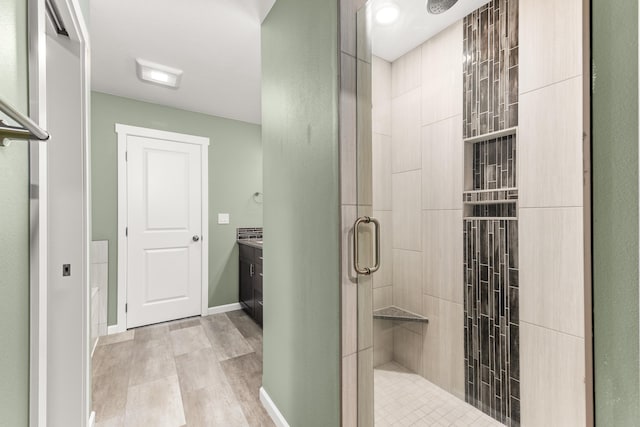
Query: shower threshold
{"points": [[395, 313]]}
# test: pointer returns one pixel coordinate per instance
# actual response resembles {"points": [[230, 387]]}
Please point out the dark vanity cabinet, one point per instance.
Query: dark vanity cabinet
{"points": [[251, 281], [257, 288], [246, 287]]}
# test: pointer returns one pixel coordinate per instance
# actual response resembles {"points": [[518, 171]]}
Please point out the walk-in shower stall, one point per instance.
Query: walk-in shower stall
{"points": [[469, 253]]}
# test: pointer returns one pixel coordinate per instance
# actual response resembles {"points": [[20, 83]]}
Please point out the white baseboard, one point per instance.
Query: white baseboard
{"points": [[115, 329], [92, 419], [272, 409], [224, 308]]}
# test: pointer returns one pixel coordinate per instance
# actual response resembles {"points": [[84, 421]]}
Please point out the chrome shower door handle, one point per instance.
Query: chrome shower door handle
{"points": [[356, 245], [376, 266]]}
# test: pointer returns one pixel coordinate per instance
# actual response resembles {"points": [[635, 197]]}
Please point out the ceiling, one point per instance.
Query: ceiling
{"points": [[215, 42], [414, 26]]}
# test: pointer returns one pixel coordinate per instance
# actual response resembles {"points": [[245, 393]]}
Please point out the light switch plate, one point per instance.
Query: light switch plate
{"points": [[223, 218]]}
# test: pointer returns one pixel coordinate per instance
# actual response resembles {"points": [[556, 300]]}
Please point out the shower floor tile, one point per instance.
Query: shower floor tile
{"points": [[403, 398]]}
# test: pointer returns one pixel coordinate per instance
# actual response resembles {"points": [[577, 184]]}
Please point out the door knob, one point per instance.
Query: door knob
{"points": [[196, 238]]}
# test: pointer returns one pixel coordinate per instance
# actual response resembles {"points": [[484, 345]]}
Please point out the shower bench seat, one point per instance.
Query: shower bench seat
{"points": [[395, 313]]}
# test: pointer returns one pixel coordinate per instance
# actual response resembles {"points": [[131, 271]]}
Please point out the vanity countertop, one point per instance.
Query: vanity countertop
{"points": [[254, 243]]}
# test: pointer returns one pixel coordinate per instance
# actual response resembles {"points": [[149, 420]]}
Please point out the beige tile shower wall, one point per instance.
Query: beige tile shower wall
{"points": [[443, 347], [552, 347], [382, 165], [381, 80], [426, 198], [382, 205], [405, 189]]}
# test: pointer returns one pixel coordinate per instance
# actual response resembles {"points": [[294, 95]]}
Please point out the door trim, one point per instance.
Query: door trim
{"points": [[123, 132], [38, 216]]}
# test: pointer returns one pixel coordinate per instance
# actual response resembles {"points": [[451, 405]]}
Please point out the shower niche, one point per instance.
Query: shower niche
{"points": [[491, 299]]}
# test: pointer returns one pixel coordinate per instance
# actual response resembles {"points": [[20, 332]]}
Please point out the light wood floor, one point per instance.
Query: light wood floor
{"points": [[196, 372]]}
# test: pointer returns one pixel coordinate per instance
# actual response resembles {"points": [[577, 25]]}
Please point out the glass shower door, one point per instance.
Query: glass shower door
{"points": [[470, 198]]}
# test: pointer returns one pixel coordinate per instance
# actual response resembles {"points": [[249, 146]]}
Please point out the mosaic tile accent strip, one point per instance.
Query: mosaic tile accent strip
{"points": [[494, 163], [491, 302], [489, 196], [491, 297], [496, 210], [249, 233], [491, 68]]}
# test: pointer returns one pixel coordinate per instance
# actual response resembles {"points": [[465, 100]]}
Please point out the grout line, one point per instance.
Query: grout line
{"points": [[348, 54], [443, 299], [552, 329], [550, 84], [351, 353], [406, 171], [408, 250], [550, 207], [382, 134], [440, 121]]}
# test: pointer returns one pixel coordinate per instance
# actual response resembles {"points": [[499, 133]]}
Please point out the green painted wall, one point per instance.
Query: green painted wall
{"points": [[301, 215], [235, 173], [615, 213], [14, 225]]}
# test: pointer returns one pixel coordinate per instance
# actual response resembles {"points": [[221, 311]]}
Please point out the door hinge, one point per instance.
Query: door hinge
{"points": [[126, 308], [126, 231], [126, 156]]}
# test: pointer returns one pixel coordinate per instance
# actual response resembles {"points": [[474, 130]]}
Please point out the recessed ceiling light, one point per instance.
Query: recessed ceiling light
{"points": [[159, 76], [387, 14], [158, 73]]}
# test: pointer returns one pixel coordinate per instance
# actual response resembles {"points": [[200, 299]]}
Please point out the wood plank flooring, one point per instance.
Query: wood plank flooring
{"points": [[197, 372]]}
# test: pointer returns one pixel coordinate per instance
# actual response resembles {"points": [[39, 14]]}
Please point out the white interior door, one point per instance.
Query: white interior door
{"points": [[164, 266]]}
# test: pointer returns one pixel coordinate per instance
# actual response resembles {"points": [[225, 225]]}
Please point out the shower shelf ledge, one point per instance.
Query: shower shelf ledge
{"points": [[396, 313]]}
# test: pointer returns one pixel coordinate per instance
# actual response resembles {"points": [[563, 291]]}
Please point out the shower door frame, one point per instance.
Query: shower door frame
{"points": [[587, 212]]}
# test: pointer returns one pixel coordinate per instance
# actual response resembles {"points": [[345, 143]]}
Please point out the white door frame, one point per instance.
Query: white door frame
{"points": [[38, 218], [39, 227], [123, 132]]}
